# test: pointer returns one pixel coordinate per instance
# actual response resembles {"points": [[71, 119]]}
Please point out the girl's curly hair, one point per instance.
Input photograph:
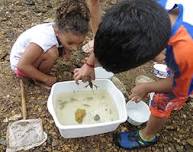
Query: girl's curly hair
{"points": [[73, 16]]}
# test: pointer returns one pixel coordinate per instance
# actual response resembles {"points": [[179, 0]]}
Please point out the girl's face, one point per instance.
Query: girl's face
{"points": [[160, 58], [70, 41]]}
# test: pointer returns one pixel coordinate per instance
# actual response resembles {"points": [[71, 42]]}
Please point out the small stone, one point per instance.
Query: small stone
{"points": [[48, 20], [179, 148], [54, 143], [29, 2], [170, 128], [39, 14], [6, 120], [184, 116], [190, 141]]}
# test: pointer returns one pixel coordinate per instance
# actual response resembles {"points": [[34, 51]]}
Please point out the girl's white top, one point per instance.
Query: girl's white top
{"points": [[43, 35]]}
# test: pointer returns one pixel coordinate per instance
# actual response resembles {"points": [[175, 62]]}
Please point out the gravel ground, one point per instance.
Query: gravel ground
{"points": [[18, 15]]}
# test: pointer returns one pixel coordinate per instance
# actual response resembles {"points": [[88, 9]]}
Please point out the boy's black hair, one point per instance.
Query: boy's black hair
{"points": [[73, 16], [131, 33]]}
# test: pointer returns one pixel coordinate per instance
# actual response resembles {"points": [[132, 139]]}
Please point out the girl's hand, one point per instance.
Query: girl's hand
{"points": [[85, 73], [49, 80], [139, 92]]}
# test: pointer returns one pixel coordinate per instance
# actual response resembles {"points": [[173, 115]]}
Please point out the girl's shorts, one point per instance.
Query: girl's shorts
{"points": [[19, 73]]}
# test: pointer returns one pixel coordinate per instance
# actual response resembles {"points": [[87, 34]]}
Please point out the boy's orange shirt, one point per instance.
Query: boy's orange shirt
{"points": [[179, 54]]}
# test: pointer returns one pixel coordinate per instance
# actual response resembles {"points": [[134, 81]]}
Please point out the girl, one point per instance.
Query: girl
{"points": [[36, 50]]}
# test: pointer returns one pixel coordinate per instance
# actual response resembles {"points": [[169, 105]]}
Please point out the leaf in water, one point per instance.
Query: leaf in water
{"points": [[89, 98], [79, 115], [86, 105], [62, 104], [73, 99]]}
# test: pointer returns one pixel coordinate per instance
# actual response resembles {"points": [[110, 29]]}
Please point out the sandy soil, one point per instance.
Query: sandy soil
{"points": [[18, 15]]}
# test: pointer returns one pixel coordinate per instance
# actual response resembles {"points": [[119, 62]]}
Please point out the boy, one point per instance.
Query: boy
{"points": [[134, 32]]}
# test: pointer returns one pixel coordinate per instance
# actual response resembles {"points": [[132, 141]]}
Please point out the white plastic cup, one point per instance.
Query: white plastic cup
{"points": [[138, 113], [160, 70]]}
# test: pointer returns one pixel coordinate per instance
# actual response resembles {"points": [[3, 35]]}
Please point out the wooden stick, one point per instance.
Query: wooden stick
{"points": [[23, 102]]}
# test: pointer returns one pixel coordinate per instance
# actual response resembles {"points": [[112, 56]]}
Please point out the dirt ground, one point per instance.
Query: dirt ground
{"points": [[18, 15]]}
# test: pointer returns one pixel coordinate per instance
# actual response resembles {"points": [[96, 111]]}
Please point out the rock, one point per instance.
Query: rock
{"points": [[170, 128], [190, 141], [54, 143], [191, 104], [48, 20], [184, 116], [29, 2], [179, 148], [3, 141], [12, 118]]}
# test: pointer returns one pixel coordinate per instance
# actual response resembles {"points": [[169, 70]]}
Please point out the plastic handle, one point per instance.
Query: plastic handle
{"points": [[23, 101]]}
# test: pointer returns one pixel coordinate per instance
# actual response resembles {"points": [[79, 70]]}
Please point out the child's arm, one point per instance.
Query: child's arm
{"points": [[27, 61], [86, 72], [96, 13], [140, 91]]}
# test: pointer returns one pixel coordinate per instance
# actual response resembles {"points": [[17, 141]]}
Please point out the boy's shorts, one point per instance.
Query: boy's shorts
{"points": [[19, 73], [163, 104]]}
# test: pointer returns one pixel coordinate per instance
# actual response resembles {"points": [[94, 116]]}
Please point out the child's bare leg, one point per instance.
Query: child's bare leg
{"points": [[95, 11], [47, 60], [45, 63], [154, 125]]}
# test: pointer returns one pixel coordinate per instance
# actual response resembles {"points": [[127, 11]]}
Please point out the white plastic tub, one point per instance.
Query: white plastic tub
{"points": [[82, 130]]}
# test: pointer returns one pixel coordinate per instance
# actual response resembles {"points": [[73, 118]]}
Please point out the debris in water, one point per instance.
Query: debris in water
{"points": [[62, 104], [89, 98], [97, 117], [79, 115], [73, 99], [86, 105]]}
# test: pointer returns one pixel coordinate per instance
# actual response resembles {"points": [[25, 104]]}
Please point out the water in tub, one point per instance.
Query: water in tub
{"points": [[85, 107]]}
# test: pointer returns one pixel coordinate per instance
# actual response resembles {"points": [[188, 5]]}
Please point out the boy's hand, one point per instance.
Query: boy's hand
{"points": [[85, 73], [139, 92], [49, 80]]}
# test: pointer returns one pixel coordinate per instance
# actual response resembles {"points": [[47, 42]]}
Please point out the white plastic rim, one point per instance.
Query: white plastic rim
{"points": [[137, 113], [101, 73]]}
